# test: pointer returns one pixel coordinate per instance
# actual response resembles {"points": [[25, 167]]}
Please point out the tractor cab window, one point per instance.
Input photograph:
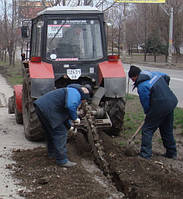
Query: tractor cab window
{"points": [[36, 39], [74, 40]]}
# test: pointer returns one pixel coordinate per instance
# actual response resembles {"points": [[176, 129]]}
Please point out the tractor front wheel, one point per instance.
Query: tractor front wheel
{"points": [[32, 126]]}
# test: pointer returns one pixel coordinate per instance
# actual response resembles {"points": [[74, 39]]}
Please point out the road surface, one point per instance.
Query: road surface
{"points": [[12, 138]]}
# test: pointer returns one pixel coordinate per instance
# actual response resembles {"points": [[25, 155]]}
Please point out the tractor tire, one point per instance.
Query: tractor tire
{"points": [[18, 116], [32, 127], [116, 111], [11, 104]]}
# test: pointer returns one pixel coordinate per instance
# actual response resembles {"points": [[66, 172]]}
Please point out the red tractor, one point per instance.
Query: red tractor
{"points": [[68, 45]]}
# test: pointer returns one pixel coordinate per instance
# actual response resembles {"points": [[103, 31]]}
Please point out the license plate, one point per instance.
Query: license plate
{"points": [[73, 73]]}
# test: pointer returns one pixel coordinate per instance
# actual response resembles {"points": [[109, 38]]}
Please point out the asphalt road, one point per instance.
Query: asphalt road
{"points": [[176, 82]]}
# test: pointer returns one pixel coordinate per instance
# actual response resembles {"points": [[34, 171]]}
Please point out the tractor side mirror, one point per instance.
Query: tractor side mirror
{"points": [[25, 31]]}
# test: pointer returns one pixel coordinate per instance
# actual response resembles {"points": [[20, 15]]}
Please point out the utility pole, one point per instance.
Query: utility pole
{"points": [[170, 36], [124, 33], [145, 32], [112, 39], [170, 42]]}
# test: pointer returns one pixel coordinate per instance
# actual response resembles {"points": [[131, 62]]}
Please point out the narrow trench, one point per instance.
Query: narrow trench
{"points": [[122, 187], [118, 183], [102, 179], [130, 192]]}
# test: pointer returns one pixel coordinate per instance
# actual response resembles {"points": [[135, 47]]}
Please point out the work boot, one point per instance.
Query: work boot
{"points": [[174, 157], [68, 164], [143, 158]]}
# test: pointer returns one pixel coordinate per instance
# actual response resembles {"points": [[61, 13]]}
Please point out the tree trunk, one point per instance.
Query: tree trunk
{"points": [[154, 58]]}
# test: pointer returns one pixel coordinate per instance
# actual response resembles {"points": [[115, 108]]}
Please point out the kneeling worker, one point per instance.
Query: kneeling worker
{"points": [[55, 109]]}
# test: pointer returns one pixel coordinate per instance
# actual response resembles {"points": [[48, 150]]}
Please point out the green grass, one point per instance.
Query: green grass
{"points": [[132, 121], [122, 143], [130, 97], [178, 118], [134, 116], [13, 74]]}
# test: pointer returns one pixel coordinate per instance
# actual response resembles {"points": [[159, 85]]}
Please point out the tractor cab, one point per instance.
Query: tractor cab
{"points": [[69, 35]]}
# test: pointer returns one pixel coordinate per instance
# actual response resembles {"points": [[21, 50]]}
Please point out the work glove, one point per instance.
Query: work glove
{"points": [[77, 121], [72, 131]]}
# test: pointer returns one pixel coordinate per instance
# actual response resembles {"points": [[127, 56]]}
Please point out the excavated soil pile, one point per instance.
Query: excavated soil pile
{"points": [[141, 178], [134, 176], [44, 179], [137, 178]]}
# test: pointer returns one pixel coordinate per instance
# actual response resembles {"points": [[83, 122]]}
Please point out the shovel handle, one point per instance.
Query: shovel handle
{"points": [[136, 132]]}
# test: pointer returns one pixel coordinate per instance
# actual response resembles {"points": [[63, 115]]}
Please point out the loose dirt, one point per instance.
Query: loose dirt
{"points": [[131, 176], [32, 175], [12, 138]]}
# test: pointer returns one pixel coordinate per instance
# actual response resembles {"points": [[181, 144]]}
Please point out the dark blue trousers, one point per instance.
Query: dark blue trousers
{"points": [[165, 125], [56, 139]]}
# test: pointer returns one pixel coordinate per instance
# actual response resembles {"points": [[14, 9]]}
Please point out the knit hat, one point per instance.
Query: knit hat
{"points": [[84, 96], [134, 71], [88, 86]]}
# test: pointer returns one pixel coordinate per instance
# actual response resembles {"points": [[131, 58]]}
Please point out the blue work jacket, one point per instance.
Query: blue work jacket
{"points": [[60, 105], [156, 97]]}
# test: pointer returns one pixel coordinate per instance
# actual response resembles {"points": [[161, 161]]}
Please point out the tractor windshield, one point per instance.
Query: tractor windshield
{"points": [[74, 40]]}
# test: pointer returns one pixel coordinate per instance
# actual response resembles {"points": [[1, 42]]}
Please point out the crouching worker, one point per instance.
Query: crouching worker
{"points": [[158, 102], [55, 109]]}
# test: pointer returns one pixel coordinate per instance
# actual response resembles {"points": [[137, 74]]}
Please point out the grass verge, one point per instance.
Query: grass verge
{"points": [[13, 74], [134, 116]]}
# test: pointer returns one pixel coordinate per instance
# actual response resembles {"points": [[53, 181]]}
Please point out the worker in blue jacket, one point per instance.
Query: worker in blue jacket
{"points": [[55, 109], [158, 102]]}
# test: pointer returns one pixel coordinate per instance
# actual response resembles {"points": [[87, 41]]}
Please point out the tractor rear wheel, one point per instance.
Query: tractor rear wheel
{"points": [[32, 126], [18, 114], [11, 104], [116, 110]]}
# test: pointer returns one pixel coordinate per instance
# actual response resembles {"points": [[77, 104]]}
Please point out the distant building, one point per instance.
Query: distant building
{"points": [[29, 8]]}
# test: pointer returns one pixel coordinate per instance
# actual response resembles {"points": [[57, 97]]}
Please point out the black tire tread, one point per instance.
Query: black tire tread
{"points": [[11, 104], [32, 127], [116, 111]]}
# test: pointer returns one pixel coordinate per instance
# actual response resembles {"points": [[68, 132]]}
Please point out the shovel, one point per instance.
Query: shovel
{"points": [[135, 134], [131, 151]]}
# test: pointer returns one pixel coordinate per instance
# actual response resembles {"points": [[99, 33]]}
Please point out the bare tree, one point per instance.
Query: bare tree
{"points": [[5, 35], [142, 22], [153, 23]]}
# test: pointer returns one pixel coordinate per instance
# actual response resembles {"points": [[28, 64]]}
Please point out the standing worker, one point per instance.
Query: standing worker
{"points": [[158, 102], [55, 109]]}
